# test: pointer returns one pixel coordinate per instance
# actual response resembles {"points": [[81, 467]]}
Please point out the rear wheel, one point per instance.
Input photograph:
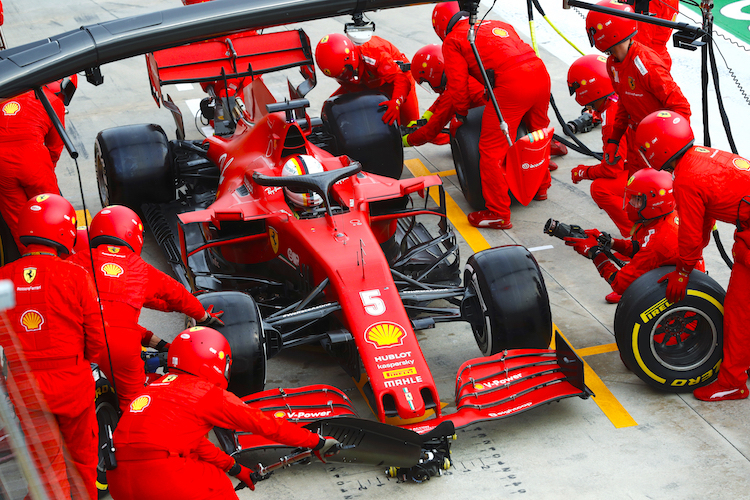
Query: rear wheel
{"points": [[506, 301], [672, 347], [134, 166]]}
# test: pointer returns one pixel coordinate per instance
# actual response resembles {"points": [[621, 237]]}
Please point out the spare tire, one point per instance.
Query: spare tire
{"points": [[355, 123]]}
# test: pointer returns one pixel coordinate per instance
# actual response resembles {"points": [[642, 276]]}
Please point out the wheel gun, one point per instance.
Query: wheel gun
{"points": [[561, 230]]}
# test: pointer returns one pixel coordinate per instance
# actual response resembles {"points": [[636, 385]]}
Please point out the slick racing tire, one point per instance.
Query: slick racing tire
{"points": [[243, 329], [506, 300], [355, 121], [134, 165], [107, 416], [672, 347]]}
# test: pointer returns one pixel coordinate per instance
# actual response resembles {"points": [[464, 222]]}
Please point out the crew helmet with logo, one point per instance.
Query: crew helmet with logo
{"points": [[202, 352], [428, 67], [588, 79], [648, 195], [445, 15], [117, 225], [302, 165], [663, 136], [337, 56], [48, 219], [606, 30]]}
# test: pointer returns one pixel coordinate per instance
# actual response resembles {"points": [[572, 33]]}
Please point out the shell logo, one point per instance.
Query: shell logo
{"points": [[741, 163], [32, 320], [478, 387], [383, 335], [140, 403], [11, 108], [112, 270], [599, 27], [664, 114], [500, 32], [662, 192], [279, 414], [113, 249]]}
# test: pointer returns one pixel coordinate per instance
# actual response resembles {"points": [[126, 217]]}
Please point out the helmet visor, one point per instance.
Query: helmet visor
{"points": [[637, 201], [426, 85], [227, 367]]}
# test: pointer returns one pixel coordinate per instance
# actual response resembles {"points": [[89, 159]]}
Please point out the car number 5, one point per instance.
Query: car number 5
{"points": [[374, 305]]}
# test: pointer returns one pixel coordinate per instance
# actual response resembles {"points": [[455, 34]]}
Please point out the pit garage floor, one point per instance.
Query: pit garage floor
{"points": [[629, 441]]}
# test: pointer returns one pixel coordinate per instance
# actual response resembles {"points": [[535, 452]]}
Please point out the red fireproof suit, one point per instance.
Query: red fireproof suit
{"points": [[644, 85], [164, 431], [442, 112], [657, 37], [29, 149], [712, 184], [522, 89], [127, 283], [378, 70], [60, 328]]}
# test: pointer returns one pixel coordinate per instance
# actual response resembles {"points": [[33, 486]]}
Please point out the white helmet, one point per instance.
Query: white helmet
{"points": [[302, 165]]}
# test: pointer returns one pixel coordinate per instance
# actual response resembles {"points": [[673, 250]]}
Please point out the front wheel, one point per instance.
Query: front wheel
{"points": [[672, 347]]}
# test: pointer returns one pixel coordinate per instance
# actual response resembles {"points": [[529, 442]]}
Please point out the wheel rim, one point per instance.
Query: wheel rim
{"points": [[101, 179], [683, 339], [481, 334]]}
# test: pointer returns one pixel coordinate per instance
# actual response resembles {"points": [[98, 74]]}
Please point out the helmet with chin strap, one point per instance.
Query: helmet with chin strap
{"points": [[202, 352], [117, 225], [607, 30], [48, 219], [427, 66], [648, 195], [589, 80], [663, 136], [444, 16], [337, 56]]}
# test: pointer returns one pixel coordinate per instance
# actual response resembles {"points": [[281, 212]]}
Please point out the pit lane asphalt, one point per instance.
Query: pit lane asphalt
{"points": [[629, 442]]}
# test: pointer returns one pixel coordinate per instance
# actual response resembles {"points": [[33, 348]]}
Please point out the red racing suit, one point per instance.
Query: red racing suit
{"points": [[127, 283], [164, 431], [657, 37], [712, 184], [522, 89], [442, 112], [60, 328], [29, 149], [378, 70], [644, 85]]}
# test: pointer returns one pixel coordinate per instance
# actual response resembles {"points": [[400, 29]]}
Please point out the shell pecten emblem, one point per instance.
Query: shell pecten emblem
{"points": [[32, 320], [140, 403], [384, 334], [112, 270], [11, 108]]}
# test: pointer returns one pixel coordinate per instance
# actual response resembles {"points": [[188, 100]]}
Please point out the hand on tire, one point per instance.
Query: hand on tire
{"points": [[211, 318], [392, 112], [677, 283]]}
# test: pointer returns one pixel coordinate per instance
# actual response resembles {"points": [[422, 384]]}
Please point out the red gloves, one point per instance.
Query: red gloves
{"points": [[610, 152], [677, 282], [584, 246], [327, 447], [392, 112], [211, 318], [579, 173], [243, 474], [456, 122]]}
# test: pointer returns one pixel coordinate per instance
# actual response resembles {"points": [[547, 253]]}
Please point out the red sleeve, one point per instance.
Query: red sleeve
{"points": [[694, 230], [390, 72], [52, 140], [146, 335], [604, 170], [457, 73], [664, 88], [93, 333], [163, 291], [442, 113], [625, 247], [207, 452]]}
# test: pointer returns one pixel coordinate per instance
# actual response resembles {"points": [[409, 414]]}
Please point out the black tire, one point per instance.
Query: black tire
{"points": [[243, 330], [355, 121], [672, 347], [506, 300], [107, 416], [8, 249], [134, 165]]}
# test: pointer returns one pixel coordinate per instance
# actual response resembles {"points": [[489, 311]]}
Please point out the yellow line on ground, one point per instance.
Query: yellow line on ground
{"points": [[597, 349], [83, 221], [604, 398], [457, 217], [445, 173]]}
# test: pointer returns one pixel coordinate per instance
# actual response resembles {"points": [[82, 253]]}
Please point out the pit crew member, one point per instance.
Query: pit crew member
{"points": [[60, 328], [655, 36], [165, 427], [708, 184]]}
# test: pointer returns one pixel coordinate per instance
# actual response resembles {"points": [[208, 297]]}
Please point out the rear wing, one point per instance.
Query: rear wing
{"points": [[246, 54]]}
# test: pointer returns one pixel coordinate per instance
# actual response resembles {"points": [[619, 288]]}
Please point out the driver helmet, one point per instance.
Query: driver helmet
{"points": [[64, 88], [48, 219], [589, 80], [202, 352], [302, 165], [605, 30], [337, 57], [445, 15], [663, 136], [117, 225], [428, 68], [648, 195]]}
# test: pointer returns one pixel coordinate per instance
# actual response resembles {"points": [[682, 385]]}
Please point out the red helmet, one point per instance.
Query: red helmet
{"points": [[65, 88], [605, 30], [48, 219], [589, 80], [202, 352], [444, 16], [663, 136], [337, 56], [117, 225], [427, 66], [648, 195]]}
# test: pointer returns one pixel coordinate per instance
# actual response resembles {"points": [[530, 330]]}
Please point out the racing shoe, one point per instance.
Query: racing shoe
{"points": [[717, 392], [613, 298], [557, 149], [541, 195], [552, 166], [488, 218]]}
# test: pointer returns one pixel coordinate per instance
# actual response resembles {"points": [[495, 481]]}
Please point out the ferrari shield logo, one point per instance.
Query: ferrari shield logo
{"points": [[385, 335], [29, 273], [113, 249], [274, 237], [631, 83], [699, 149]]}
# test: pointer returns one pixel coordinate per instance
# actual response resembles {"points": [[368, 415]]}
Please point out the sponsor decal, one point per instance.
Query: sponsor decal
{"points": [[699, 149], [296, 415], [497, 382], [663, 114], [32, 320], [631, 83], [112, 270], [272, 190], [509, 411], [682, 382], [274, 237], [527, 166], [403, 381], [293, 257], [409, 398], [113, 249], [41, 198], [404, 372], [500, 32], [391, 357], [140, 403], [395, 364], [11, 108], [29, 273], [655, 310], [741, 163], [639, 64], [385, 334]]}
